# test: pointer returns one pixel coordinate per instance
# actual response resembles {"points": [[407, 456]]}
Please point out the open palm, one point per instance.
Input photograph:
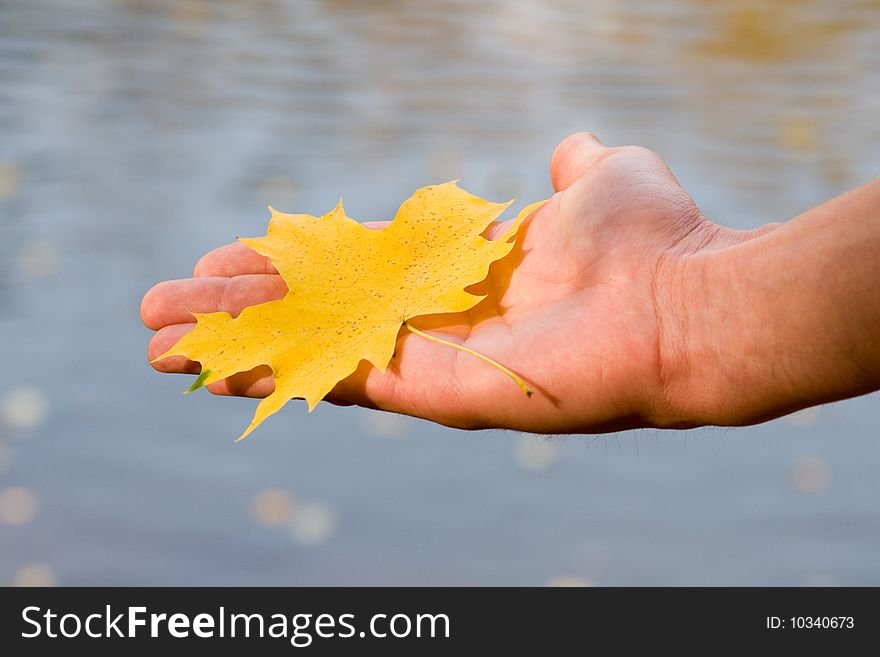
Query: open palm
{"points": [[584, 309]]}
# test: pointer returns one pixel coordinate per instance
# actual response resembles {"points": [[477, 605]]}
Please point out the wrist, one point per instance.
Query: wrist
{"points": [[677, 283], [726, 361], [703, 350]]}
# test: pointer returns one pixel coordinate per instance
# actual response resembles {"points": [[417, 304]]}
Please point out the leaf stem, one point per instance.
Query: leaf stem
{"points": [[513, 375], [199, 382]]}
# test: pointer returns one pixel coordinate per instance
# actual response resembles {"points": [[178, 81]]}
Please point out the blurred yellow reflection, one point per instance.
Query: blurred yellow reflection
{"points": [[10, 180], [385, 425], [313, 523], [273, 507], [18, 505], [566, 581], [189, 17], [35, 574], [535, 453], [24, 407], [769, 31], [799, 134], [810, 474], [820, 580]]}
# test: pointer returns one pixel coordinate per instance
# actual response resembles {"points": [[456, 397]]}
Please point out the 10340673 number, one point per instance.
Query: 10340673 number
{"points": [[810, 623], [822, 622]]}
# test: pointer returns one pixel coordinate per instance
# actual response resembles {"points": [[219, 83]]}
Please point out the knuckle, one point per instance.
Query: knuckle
{"points": [[226, 294], [633, 150]]}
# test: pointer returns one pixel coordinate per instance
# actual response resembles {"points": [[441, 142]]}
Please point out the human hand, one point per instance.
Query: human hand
{"points": [[586, 308]]}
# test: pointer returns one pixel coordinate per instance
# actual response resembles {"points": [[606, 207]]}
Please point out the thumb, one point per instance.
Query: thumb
{"points": [[573, 157]]}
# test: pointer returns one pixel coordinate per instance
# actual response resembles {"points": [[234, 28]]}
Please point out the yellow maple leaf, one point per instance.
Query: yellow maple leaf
{"points": [[350, 291]]}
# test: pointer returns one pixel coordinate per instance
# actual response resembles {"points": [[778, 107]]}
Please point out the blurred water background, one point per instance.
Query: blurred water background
{"points": [[137, 134]]}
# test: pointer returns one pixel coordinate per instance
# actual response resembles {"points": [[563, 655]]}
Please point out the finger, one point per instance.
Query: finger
{"points": [[573, 157], [234, 259], [254, 383], [361, 387], [173, 302], [257, 382], [166, 338]]}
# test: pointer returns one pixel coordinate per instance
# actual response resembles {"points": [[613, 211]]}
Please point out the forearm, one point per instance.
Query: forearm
{"points": [[788, 319]]}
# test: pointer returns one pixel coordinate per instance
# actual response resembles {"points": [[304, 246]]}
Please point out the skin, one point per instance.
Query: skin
{"points": [[621, 305]]}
